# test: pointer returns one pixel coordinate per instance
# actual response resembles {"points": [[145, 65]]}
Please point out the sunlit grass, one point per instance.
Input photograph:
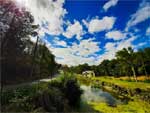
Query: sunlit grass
{"points": [[124, 83], [131, 107]]}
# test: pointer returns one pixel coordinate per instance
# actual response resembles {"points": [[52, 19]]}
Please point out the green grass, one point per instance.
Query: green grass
{"points": [[123, 83], [131, 107]]}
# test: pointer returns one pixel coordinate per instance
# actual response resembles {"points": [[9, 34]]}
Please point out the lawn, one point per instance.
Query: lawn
{"points": [[124, 83]]}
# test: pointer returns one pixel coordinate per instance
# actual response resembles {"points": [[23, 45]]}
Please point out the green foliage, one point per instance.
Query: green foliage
{"points": [[52, 100], [80, 68], [22, 60], [68, 84], [58, 95], [126, 63], [23, 92]]}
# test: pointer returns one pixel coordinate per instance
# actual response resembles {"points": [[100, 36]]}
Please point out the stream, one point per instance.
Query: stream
{"points": [[98, 95]]}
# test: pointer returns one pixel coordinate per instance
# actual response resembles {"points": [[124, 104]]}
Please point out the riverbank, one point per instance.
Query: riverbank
{"points": [[128, 89], [135, 96]]}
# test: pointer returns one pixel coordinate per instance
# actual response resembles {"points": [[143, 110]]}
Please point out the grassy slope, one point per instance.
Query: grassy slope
{"points": [[124, 83]]}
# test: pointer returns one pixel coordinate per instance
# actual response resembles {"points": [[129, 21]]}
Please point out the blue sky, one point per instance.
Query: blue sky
{"points": [[89, 31]]}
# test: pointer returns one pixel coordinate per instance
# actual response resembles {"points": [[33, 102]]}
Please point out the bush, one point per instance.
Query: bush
{"points": [[51, 100], [68, 84], [72, 92], [59, 95]]}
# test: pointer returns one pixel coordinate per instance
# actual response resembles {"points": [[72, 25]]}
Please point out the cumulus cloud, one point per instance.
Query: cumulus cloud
{"points": [[142, 14], [112, 47], [75, 29], [126, 43], [77, 53], [47, 13], [109, 46], [116, 35], [97, 25], [148, 31], [109, 54], [85, 47], [60, 43], [109, 4]]}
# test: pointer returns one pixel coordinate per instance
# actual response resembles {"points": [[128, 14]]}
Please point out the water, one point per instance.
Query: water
{"points": [[98, 95]]}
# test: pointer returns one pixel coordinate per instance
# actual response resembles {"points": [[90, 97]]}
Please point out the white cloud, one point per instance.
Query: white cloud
{"points": [[85, 23], [148, 31], [126, 43], [109, 46], [74, 29], [140, 44], [97, 25], [109, 54], [47, 13], [112, 47], [77, 53], [142, 14], [85, 47], [116, 35], [110, 4], [61, 43]]}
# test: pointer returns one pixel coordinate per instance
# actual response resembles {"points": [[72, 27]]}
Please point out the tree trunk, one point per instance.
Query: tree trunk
{"points": [[34, 55], [145, 69], [134, 74]]}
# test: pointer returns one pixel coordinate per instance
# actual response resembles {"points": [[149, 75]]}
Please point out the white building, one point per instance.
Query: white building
{"points": [[88, 73]]}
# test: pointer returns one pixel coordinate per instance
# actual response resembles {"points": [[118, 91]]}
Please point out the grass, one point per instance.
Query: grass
{"points": [[124, 83], [131, 107]]}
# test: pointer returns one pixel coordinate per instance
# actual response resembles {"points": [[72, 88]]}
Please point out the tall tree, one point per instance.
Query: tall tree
{"points": [[105, 67], [140, 61], [16, 27], [127, 56]]}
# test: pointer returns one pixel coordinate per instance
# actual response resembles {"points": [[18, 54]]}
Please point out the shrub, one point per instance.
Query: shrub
{"points": [[68, 84], [51, 100], [72, 92], [59, 95]]}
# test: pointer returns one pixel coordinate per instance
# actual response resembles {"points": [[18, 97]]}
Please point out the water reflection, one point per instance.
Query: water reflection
{"points": [[98, 95]]}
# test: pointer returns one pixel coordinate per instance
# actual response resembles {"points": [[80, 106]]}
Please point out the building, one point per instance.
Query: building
{"points": [[88, 74]]}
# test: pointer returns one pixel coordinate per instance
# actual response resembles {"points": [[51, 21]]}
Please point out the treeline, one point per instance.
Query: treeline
{"points": [[20, 58], [126, 63]]}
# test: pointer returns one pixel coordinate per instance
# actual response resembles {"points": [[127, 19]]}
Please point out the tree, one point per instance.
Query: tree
{"points": [[105, 67], [46, 61], [140, 61], [16, 27], [127, 57]]}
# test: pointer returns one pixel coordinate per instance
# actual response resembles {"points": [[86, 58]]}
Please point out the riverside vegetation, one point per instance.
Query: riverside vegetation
{"points": [[133, 97], [59, 95]]}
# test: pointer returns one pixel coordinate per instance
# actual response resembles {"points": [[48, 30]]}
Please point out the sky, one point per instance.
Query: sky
{"points": [[89, 31]]}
